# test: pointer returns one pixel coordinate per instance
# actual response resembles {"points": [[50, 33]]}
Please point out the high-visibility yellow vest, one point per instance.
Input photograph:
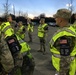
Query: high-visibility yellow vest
{"points": [[74, 26], [62, 32], [25, 47], [55, 53], [7, 29], [0, 30], [30, 28], [22, 35], [41, 30]]}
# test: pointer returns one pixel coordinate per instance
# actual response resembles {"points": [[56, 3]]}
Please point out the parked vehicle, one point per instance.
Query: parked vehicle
{"points": [[35, 23], [52, 24]]}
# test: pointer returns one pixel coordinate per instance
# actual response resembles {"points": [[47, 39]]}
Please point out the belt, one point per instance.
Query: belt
{"points": [[59, 56]]}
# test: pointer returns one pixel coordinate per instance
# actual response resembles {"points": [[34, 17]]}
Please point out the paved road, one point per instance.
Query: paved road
{"points": [[43, 62]]}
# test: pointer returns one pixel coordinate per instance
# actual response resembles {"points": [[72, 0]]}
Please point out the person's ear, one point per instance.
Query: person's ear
{"points": [[60, 20]]}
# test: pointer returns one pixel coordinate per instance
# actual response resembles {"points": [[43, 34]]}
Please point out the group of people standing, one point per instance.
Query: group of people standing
{"points": [[15, 55]]}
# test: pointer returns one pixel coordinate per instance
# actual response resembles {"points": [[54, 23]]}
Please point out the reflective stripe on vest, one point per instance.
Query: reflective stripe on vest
{"points": [[4, 30], [60, 31], [59, 56], [7, 29], [30, 28], [21, 41], [24, 45]]}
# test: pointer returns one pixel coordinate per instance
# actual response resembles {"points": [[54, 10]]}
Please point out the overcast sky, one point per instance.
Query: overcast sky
{"points": [[36, 7]]}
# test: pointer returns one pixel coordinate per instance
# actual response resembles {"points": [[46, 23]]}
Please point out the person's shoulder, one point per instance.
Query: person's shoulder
{"points": [[6, 23], [3, 24]]}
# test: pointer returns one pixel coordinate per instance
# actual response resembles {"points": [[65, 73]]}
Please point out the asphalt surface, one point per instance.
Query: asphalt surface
{"points": [[43, 65]]}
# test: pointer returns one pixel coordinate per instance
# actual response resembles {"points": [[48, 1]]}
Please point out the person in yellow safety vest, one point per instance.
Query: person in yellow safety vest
{"points": [[74, 26], [42, 30], [63, 45], [28, 60], [14, 24], [13, 45], [6, 59], [21, 30], [25, 51], [30, 29]]}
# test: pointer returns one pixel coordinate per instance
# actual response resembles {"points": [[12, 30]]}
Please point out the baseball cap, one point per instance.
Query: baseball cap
{"points": [[63, 13]]}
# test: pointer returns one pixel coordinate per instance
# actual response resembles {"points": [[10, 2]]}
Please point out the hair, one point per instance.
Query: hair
{"points": [[2, 19], [12, 16], [72, 19]]}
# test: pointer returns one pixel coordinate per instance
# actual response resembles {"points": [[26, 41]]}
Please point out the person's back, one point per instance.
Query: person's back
{"points": [[24, 50], [13, 45], [6, 59], [28, 60]]}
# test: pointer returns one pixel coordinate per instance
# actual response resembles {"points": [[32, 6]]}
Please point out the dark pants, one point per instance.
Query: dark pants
{"points": [[18, 60], [2, 72], [28, 66], [42, 43], [30, 36], [15, 71]]}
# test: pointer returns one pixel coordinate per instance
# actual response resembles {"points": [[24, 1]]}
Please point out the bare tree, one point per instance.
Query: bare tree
{"points": [[6, 8], [25, 14]]}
